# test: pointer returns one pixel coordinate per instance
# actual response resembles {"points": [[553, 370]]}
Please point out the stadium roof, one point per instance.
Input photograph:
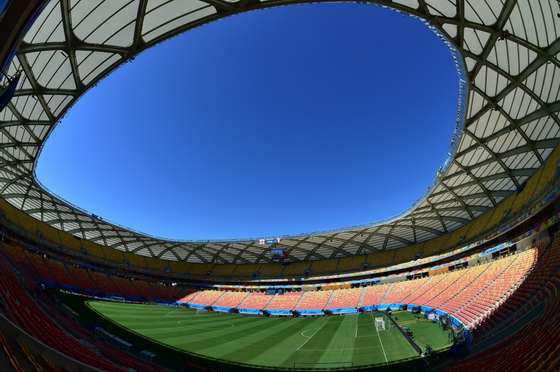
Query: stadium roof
{"points": [[507, 53]]}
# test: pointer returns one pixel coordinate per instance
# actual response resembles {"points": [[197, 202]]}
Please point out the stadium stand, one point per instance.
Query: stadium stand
{"points": [[52, 271], [24, 310], [188, 298], [524, 297], [509, 300], [285, 301], [10, 359], [374, 295], [231, 299], [470, 294], [524, 333], [255, 301], [490, 290], [345, 298], [397, 292], [429, 284], [454, 283], [486, 296], [313, 300], [207, 297]]}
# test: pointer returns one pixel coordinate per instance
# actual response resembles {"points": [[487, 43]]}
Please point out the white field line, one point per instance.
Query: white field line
{"points": [[310, 337], [311, 329], [381, 342]]}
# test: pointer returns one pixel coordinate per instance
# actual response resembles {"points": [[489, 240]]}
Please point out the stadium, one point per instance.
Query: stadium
{"points": [[466, 279]]}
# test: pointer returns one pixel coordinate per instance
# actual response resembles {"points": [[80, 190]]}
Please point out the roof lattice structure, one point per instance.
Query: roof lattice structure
{"points": [[507, 53]]}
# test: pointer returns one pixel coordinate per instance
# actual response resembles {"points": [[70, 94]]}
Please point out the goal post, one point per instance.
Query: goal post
{"points": [[379, 324]]}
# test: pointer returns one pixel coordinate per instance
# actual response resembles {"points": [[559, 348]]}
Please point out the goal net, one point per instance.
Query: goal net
{"points": [[380, 324]]}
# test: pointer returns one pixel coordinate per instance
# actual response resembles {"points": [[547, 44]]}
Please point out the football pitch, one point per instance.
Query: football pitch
{"points": [[321, 342]]}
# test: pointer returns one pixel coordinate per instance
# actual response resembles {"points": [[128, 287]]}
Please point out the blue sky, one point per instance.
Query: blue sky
{"points": [[286, 120]]}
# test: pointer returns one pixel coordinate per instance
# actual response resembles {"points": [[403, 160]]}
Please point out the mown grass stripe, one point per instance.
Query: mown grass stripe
{"points": [[249, 346], [341, 343], [324, 342], [178, 335], [366, 349], [285, 342], [202, 341], [313, 350], [181, 322]]}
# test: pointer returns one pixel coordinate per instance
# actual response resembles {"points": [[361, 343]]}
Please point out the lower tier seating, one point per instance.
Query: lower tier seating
{"points": [[286, 301], [255, 300], [24, 310], [231, 299], [348, 298], [510, 303], [313, 300], [52, 271], [470, 294], [524, 333]]}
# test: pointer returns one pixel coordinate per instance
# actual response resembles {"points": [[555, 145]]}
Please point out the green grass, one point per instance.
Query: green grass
{"points": [[329, 342], [424, 331]]}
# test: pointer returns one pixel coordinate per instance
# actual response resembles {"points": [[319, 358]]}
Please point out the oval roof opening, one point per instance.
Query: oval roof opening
{"points": [[288, 120]]}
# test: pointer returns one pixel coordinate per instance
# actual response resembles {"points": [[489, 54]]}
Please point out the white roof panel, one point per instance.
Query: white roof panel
{"points": [[511, 119]]}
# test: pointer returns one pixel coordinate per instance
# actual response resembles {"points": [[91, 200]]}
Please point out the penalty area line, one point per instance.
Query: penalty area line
{"points": [[380, 342]]}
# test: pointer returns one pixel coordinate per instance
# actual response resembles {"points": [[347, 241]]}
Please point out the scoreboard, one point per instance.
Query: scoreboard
{"points": [[269, 242], [277, 252]]}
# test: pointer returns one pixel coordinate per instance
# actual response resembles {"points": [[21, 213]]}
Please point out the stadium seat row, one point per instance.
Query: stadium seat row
{"points": [[96, 282], [470, 294]]}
